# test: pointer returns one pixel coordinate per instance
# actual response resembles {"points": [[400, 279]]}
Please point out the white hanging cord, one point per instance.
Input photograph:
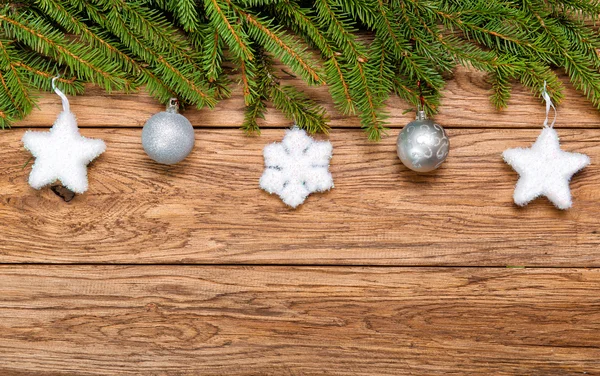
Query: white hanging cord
{"points": [[63, 97], [549, 104]]}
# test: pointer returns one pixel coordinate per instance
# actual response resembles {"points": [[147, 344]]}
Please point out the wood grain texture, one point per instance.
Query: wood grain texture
{"points": [[209, 208], [184, 320], [465, 104], [298, 321]]}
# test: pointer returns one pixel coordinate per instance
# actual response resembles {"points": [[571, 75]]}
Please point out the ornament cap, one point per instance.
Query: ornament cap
{"points": [[173, 106], [421, 115]]}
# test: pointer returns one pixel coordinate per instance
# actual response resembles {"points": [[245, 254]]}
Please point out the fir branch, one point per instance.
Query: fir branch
{"points": [[65, 16], [282, 46], [340, 30], [10, 77], [294, 104], [254, 110], [360, 75], [500, 89], [186, 13], [181, 48], [158, 32], [493, 34], [8, 113], [224, 20], [583, 9], [339, 87], [47, 76], [585, 40], [170, 72], [409, 92], [388, 31], [34, 32], [212, 54], [363, 10], [372, 118], [38, 72], [420, 26], [256, 92], [247, 79], [534, 75], [572, 53], [382, 64]]}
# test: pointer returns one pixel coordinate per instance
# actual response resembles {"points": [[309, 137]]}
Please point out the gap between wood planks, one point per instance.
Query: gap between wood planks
{"points": [[299, 266], [395, 127]]}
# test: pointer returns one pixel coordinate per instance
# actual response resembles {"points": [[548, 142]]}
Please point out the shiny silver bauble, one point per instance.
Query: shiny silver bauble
{"points": [[422, 144], [168, 137]]}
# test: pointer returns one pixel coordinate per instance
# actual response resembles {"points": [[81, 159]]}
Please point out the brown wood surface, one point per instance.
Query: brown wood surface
{"points": [[161, 320], [235, 283], [209, 208], [465, 104]]}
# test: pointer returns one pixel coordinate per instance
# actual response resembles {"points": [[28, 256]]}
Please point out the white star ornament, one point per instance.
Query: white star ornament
{"points": [[545, 170], [61, 153]]}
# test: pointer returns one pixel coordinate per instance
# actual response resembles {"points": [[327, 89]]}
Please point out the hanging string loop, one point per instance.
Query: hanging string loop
{"points": [[63, 97], [421, 103], [549, 105]]}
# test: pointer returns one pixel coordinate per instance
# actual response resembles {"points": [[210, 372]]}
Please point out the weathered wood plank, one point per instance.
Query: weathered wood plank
{"points": [[209, 209], [76, 320], [465, 104]]}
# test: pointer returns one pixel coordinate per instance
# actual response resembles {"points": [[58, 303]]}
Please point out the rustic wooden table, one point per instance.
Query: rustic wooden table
{"points": [[192, 270]]}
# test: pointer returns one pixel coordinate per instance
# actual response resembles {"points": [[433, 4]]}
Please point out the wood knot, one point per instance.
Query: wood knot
{"points": [[151, 307], [63, 192]]}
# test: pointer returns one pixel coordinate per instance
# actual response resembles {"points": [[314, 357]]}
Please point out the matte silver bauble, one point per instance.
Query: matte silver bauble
{"points": [[422, 144], [168, 137]]}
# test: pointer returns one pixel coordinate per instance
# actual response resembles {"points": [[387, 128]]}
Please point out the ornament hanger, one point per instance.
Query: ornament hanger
{"points": [[63, 97], [421, 104], [549, 105], [173, 105]]}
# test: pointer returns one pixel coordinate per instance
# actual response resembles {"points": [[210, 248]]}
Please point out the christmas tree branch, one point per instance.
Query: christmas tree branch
{"points": [[11, 78], [225, 22], [179, 80], [297, 19], [40, 36], [365, 51], [212, 48], [282, 46]]}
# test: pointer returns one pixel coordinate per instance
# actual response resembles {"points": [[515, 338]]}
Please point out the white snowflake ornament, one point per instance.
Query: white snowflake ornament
{"points": [[544, 169], [296, 167], [62, 153]]}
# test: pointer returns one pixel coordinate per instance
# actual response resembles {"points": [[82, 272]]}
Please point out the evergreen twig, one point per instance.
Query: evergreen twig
{"points": [[368, 49]]}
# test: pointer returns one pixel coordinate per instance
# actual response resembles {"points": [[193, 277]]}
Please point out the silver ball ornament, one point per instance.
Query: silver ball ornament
{"points": [[168, 137], [422, 144]]}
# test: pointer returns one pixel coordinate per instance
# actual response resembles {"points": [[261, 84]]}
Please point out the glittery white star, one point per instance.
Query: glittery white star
{"points": [[545, 170], [61, 154], [296, 167]]}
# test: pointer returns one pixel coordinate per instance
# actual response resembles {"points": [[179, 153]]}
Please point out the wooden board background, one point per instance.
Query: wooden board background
{"points": [[193, 270]]}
